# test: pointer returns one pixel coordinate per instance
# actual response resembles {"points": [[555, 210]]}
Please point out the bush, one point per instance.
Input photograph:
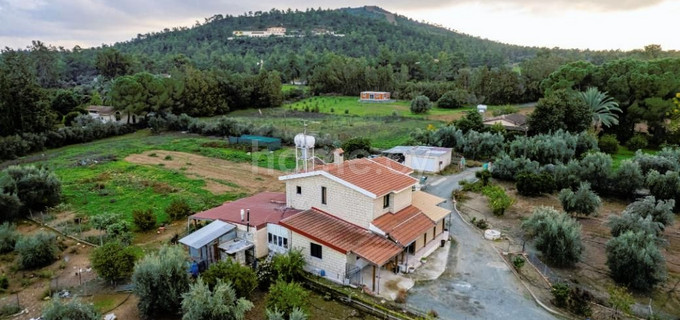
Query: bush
{"points": [[144, 219], [583, 201], [627, 179], [507, 109], [629, 221], [8, 237], [37, 251], [288, 267], [556, 235], [534, 184], [241, 278], [36, 188], [637, 142], [635, 261], [4, 282], [178, 209], [113, 261], [608, 144], [660, 210], [200, 303], [10, 205], [159, 280], [518, 262], [499, 201], [73, 309], [472, 121], [573, 299], [560, 292], [286, 297], [420, 104], [484, 145], [297, 314], [457, 98], [484, 176], [664, 186], [596, 168], [357, 147]]}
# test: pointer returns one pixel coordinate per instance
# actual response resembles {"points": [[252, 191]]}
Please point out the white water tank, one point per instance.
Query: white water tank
{"points": [[304, 141], [491, 234]]}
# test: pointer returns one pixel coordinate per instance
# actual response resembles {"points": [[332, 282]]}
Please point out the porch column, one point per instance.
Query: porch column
{"points": [[373, 278]]}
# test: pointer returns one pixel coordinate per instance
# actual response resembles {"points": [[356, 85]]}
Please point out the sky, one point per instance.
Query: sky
{"points": [[583, 24]]}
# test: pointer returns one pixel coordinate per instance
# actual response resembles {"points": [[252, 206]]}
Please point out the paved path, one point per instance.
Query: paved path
{"points": [[477, 283]]}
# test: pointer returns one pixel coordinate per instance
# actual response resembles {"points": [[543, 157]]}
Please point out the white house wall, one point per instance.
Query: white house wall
{"points": [[332, 262], [398, 201]]}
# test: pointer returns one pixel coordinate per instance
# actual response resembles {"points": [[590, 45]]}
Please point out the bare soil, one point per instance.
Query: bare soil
{"points": [[220, 175], [591, 272]]}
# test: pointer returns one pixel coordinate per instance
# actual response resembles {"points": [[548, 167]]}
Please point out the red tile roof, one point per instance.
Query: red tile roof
{"points": [[370, 176], [387, 162], [265, 207], [342, 236], [404, 226]]}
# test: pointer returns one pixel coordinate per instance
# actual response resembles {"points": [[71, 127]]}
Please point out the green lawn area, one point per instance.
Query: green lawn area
{"points": [[288, 87], [338, 105], [625, 154], [95, 178]]}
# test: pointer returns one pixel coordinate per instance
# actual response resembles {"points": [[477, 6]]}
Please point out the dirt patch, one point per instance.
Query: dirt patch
{"points": [[220, 175]]}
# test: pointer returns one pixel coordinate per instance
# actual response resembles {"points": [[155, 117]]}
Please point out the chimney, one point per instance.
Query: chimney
{"points": [[338, 156], [243, 213]]}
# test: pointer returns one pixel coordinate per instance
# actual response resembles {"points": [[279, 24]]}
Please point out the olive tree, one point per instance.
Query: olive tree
{"points": [[635, 260], [160, 279], [556, 235], [596, 168], [242, 279], [36, 188], [627, 179], [664, 186], [201, 303], [37, 251], [629, 221], [421, 104], [660, 210], [583, 201], [113, 261], [286, 297]]}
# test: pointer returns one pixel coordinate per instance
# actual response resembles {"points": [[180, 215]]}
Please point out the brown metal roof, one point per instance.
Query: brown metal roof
{"points": [[341, 235], [387, 162], [370, 176], [265, 207], [404, 226]]}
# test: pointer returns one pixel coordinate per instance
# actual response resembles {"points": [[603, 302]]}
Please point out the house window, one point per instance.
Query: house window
{"points": [[285, 243], [298, 190], [323, 195], [386, 201], [315, 250], [269, 237]]}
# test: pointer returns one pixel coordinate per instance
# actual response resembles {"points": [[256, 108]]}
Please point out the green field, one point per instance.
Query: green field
{"points": [[625, 154], [95, 178], [338, 105]]}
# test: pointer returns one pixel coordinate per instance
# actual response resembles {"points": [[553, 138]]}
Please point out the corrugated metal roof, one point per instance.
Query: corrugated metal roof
{"points": [[387, 162], [205, 235], [429, 205], [404, 226], [419, 150], [341, 235]]}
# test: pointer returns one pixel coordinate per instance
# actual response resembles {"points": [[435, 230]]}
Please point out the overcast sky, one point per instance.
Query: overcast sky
{"points": [[595, 24]]}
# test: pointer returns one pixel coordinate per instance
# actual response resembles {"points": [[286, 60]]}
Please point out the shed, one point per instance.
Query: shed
{"points": [[421, 158], [375, 96], [257, 141], [203, 243]]}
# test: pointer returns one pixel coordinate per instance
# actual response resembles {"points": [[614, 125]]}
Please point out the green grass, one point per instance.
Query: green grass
{"points": [[624, 154], [112, 185], [289, 87]]}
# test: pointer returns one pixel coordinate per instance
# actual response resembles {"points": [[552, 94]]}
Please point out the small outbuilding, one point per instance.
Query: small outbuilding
{"points": [[203, 244], [421, 158], [375, 96], [511, 122]]}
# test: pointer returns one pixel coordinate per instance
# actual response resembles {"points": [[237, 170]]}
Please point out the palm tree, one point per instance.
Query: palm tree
{"points": [[602, 106]]}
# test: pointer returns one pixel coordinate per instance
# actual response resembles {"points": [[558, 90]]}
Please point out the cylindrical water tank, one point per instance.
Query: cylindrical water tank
{"points": [[304, 141]]}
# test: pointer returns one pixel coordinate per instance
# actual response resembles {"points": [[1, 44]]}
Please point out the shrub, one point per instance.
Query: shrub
{"points": [[113, 261], [144, 219], [420, 104], [357, 147], [664, 186], [4, 282], [70, 117], [288, 267], [560, 292], [10, 205], [297, 314], [484, 176], [242, 279], [660, 210], [457, 98], [534, 184], [620, 299], [627, 179], [286, 297], [37, 251], [596, 168], [573, 299], [518, 262], [650, 162], [506, 109], [499, 201], [471, 122], [484, 145], [583, 201], [637, 142], [8, 237], [178, 209], [159, 280], [73, 309], [635, 261], [556, 235], [200, 303], [36, 188], [629, 221], [608, 144]]}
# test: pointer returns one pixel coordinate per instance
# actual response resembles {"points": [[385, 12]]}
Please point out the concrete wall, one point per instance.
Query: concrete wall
{"points": [[341, 201], [280, 231], [332, 262]]}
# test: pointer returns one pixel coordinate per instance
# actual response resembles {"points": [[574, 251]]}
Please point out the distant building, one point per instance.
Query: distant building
{"points": [[421, 158], [273, 31], [375, 96], [511, 122], [104, 113]]}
